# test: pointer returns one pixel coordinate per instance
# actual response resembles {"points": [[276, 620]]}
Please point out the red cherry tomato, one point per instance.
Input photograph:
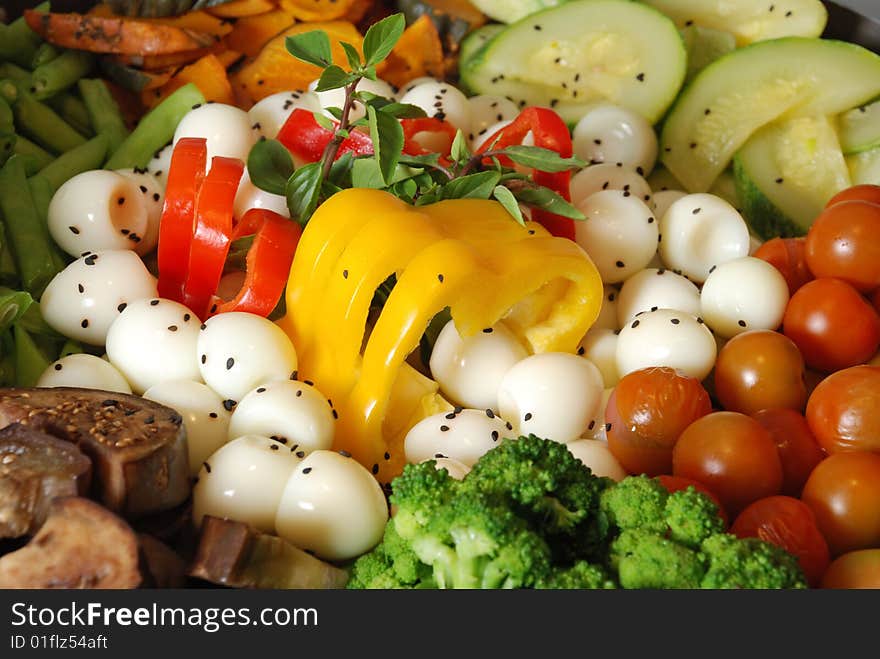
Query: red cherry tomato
{"points": [[832, 324], [844, 410], [865, 192], [788, 255], [844, 242], [647, 412], [760, 369], [788, 523], [733, 455], [676, 483], [798, 450], [844, 494], [856, 569]]}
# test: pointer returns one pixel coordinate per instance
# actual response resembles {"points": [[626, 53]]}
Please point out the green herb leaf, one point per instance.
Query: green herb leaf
{"points": [[303, 191], [353, 56], [236, 259], [312, 47], [324, 121], [336, 112], [340, 171], [473, 186], [381, 37], [505, 197], [387, 135], [459, 151], [269, 166], [365, 173], [547, 200], [544, 160], [399, 110], [427, 159], [334, 77], [13, 304]]}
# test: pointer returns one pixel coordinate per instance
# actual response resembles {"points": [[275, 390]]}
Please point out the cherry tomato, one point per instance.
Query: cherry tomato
{"points": [[760, 369], [865, 192], [788, 523], [733, 455], [844, 493], [856, 569], [832, 324], [676, 483], [844, 242], [798, 450], [788, 255], [647, 412], [844, 410]]}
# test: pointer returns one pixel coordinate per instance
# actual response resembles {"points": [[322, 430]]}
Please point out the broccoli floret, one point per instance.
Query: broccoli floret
{"points": [[643, 559], [692, 517], [636, 502], [748, 563], [418, 493], [580, 576], [392, 564]]}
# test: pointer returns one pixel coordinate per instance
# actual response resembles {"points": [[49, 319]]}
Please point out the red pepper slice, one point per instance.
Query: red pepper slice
{"points": [[550, 132], [268, 261], [411, 127], [306, 139], [213, 230], [178, 214]]}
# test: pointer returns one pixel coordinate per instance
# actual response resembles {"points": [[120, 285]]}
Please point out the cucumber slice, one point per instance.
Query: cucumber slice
{"points": [[477, 39], [860, 128], [704, 46], [725, 187], [571, 56], [752, 86], [787, 172], [510, 11], [749, 20], [662, 179], [864, 167]]}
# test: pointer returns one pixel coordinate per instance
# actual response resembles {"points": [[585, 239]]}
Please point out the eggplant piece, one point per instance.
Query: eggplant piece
{"points": [[236, 555], [35, 468], [161, 566], [81, 545], [137, 447]]}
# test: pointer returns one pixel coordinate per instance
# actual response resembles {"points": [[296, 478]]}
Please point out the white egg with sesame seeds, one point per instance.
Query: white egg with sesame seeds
{"points": [[458, 470], [599, 345], [154, 196], [291, 412], [619, 233], [470, 369], [554, 395], [607, 318], [84, 371], [609, 176], [743, 294], [204, 417], [596, 455], [486, 111], [412, 84], [335, 98], [483, 134], [250, 196], [226, 129], [97, 210], [244, 480], [239, 351], [443, 101], [656, 288], [463, 435], [154, 340], [332, 506], [84, 299], [269, 114], [666, 337], [700, 231], [160, 163], [610, 134], [664, 199]]}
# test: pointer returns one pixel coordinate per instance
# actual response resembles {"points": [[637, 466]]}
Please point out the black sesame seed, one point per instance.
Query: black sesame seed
{"points": [[213, 308], [693, 145], [597, 142], [450, 416], [495, 435], [641, 77], [172, 328], [527, 417], [299, 393], [650, 220], [779, 180], [592, 424], [457, 409], [487, 330], [230, 363], [635, 324], [204, 358], [81, 288], [120, 200], [675, 321], [605, 185], [619, 264], [537, 28], [581, 350], [84, 323], [335, 414], [375, 469], [607, 427], [207, 467], [203, 327], [741, 323], [490, 414], [261, 390], [274, 447], [143, 188], [156, 196], [444, 428], [345, 454], [58, 367], [153, 303], [387, 455], [213, 415], [789, 14], [440, 278], [294, 375], [439, 455], [508, 425], [229, 404], [299, 454], [307, 470], [696, 211], [186, 317], [309, 382], [73, 230]]}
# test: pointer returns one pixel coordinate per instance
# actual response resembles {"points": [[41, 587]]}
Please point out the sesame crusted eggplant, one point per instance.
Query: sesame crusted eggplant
{"points": [[137, 447], [35, 468], [236, 555], [81, 545]]}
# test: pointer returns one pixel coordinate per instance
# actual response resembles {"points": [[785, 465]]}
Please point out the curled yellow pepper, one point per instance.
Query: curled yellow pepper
{"points": [[465, 254]]}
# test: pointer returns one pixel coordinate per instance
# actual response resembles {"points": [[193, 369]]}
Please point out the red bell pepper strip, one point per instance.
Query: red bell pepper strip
{"points": [[178, 214], [268, 261], [412, 127], [550, 132], [211, 237], [306, 139]]}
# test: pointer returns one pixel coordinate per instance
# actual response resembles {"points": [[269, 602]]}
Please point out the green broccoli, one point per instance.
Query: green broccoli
{"points": [[692, 517], [580, 576], [390, 565], [636, 502], [644, 559], [748, 563]]}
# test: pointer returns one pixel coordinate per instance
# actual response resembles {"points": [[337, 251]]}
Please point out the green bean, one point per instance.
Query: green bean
{"points": [[104, 113], [6, 120], [38, 120], [73, 111], [30, 362], [7, 145], [46, 52], [34, 157], [41, 190], [70, 347], [155, 129], [61, 73], [27, 236], [13, 72], [13, 305], [20, 42], [90, 155], [8, 272]]}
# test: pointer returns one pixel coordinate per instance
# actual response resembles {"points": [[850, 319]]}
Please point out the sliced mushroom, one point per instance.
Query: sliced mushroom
{"points": [[81, 545], [237, 555], [138, 447], [34, 469]]}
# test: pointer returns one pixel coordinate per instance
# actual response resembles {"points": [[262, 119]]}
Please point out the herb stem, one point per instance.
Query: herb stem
{"points": [[332, 148]]}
